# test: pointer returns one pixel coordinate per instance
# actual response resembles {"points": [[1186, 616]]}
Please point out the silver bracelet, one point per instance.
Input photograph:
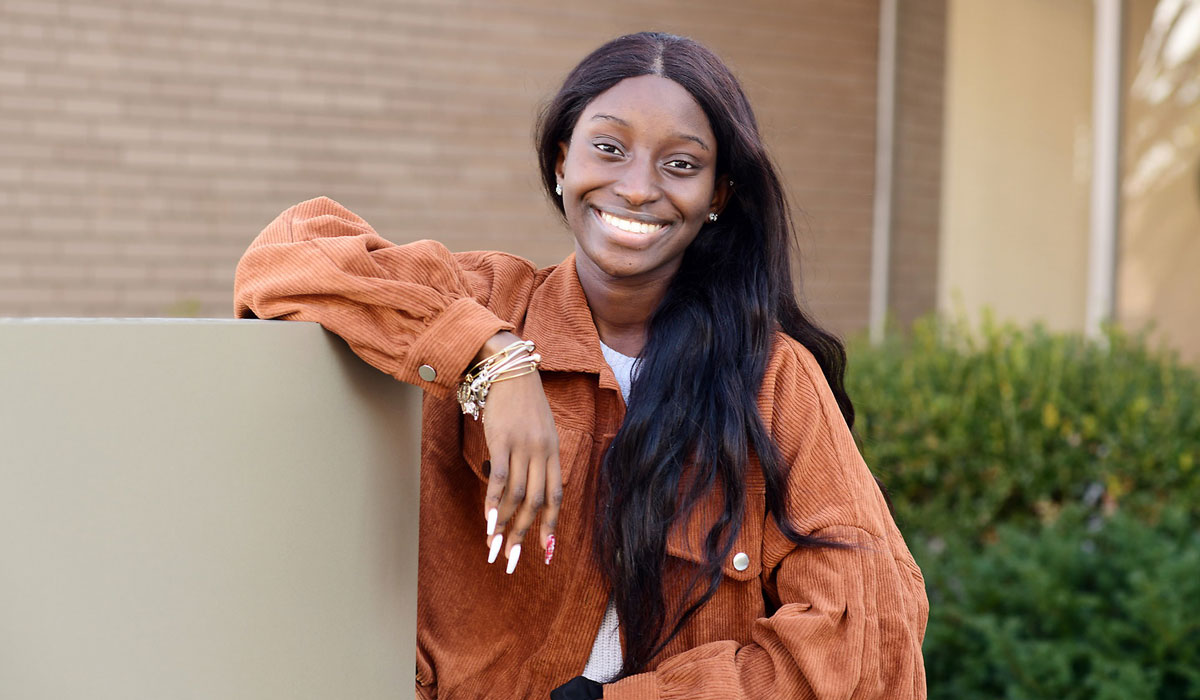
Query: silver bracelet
{"points": [[516, 360]]}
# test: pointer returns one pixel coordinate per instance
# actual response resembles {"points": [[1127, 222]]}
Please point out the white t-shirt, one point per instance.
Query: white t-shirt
{"points": [[605, 662]]}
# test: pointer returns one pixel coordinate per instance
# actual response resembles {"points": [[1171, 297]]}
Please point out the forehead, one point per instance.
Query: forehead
{"points": [[650, 103]]}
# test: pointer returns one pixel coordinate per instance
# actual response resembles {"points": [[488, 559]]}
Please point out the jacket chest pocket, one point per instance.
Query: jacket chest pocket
{"points": [[744, 561], [574, 448]]}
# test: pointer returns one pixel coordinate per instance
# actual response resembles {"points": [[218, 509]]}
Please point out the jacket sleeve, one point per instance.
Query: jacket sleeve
{"points": [[398, 306], [849, 621]]}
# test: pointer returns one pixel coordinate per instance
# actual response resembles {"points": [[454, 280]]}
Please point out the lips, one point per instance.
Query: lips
{"points": [[630, 225]]}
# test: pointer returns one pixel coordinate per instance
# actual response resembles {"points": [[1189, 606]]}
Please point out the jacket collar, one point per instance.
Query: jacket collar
{"points": [[559, 322]]}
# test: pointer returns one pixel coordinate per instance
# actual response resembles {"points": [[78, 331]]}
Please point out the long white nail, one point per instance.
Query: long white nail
{"points": [[513, 555], [491, 520], [497, 543]]}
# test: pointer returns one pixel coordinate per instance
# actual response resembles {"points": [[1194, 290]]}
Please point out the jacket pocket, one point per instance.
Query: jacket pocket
{"points": [[574, 449], [744, 561]]}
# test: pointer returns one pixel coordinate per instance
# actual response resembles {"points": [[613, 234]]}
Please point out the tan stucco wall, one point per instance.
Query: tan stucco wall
{"points": [[203, 509], [1159, 253], [1017, 159]]}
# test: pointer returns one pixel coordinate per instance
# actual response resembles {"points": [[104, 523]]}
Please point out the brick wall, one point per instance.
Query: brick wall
{"points": [[143, 143], [916, 203]]}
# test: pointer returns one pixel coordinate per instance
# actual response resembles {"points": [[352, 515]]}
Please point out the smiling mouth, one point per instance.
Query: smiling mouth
{"points": [[629, 225]]}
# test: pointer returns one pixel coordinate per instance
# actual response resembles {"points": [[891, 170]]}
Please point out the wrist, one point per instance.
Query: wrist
{"points": [[517, 359], [494, 345]]}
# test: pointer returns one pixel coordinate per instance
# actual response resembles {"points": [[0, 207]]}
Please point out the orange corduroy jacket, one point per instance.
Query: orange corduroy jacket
{"points": [[795, 623]]}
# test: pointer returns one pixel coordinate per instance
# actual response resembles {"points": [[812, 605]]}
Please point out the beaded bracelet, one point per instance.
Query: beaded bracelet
{"points": [[514, 361]]}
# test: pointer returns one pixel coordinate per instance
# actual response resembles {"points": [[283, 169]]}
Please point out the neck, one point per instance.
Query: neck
{"points": [[621, 306]]}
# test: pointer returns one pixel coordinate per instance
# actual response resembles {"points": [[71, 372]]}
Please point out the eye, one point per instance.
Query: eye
{"points": [[681, 164], [608, 148]]}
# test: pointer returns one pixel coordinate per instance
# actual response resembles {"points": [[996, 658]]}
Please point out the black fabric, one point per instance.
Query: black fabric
{"points": [[578, 688]]}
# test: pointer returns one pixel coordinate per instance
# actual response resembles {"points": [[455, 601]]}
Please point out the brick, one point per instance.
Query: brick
{"points": [[153, 250], [107, 273], [146, 17], [217, 23], [10, 126], [52, 223], [121, 131], [93, 250], [59, 128], [11, 272], [49, 9], [84, 153], [92, 61], [122, 226], [89, 299], [28, 296], [12, 77], [90, 107], [11, 174], [59, 176], [19, 54], [26, 102], [94, 12], [154, 157]]}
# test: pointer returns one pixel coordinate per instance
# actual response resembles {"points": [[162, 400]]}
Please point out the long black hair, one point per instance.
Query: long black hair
{"points": [[693, 404]]}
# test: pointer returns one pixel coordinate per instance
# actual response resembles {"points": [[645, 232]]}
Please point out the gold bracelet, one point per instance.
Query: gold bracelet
{"points": [[516, 360]]}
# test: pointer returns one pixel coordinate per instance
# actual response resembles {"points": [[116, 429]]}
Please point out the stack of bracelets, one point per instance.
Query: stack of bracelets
{"points": [[514, 361]]}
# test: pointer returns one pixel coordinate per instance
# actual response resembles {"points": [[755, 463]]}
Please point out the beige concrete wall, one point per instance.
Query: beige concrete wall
{"points": [[145, 142], [203, 509], [1017, 159]]}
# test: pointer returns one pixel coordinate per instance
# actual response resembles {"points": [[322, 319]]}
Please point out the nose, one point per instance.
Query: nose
{"points": [[638, 184]]}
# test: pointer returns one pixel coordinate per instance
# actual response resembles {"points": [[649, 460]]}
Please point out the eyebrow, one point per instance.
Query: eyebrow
{"points": [[627, 125]]}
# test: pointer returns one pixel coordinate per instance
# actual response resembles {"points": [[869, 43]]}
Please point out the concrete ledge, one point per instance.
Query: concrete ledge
{"points": [[203, 509]]}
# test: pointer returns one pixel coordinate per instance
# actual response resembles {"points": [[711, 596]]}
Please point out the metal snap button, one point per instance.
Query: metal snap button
{"points": [[427, 373], [741, 561]]}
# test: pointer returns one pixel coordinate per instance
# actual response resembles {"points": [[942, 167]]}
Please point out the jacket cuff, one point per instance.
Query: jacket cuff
{"points": [[643, 686], [438, 358]]}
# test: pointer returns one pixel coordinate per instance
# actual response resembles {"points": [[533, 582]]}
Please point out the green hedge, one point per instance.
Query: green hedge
{"points": [[1050, 490], [972, 429], [1067, 611]]}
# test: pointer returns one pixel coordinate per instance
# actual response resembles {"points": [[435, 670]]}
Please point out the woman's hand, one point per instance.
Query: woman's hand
{"points": [[525, 474]]}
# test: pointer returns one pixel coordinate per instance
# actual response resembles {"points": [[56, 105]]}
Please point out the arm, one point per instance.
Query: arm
{"points": [[850, 621], [398, 307], [402, 307]]}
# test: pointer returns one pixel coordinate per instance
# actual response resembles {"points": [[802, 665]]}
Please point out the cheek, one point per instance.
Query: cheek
{"points": [[696, 202]]}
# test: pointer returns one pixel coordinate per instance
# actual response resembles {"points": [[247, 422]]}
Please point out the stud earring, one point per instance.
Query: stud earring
{"points": [[712, 216], [558, 189]]}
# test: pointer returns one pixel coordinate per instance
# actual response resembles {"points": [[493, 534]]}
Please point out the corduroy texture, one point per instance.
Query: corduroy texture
{"points": [[844, 623]]}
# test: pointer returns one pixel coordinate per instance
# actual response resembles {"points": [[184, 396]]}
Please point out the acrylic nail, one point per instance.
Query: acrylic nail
{"points": [[497, 543], [549, 549], [491, 521], [513, 555]]}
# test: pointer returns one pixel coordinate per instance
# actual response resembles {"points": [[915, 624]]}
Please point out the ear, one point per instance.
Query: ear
{"points": [[722, 191], [562, 158]]}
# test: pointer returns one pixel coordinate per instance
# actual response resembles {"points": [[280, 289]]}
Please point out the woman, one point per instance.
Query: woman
{"points": [[706, 526]]}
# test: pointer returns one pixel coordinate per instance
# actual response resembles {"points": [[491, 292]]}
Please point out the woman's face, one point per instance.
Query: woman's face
{"points": [[639, 178]]}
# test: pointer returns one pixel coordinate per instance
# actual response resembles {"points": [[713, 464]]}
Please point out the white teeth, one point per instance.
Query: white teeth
{"points": [[629, 225]]}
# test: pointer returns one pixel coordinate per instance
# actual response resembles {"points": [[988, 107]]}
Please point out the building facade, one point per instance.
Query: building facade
{"points": [[940, 154]]}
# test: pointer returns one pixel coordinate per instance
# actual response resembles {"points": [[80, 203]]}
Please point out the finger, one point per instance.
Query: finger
{"points": [[495, 544], [497, 480], [513, 555], [534, 496], [554, 496], [514, 488]]}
